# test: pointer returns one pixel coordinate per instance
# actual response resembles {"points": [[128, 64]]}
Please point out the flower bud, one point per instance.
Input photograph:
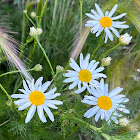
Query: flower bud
{"points": [[25, 11], [125, 39], [123, 122], [38, 67], [33, 32], [106, 61], [33, 14], [59, 68], [40, 31]]}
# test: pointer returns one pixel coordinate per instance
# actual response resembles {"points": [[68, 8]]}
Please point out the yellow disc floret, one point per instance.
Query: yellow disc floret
{"points": [[37, 98], [104, 102], [85, 75], [106, 22]]}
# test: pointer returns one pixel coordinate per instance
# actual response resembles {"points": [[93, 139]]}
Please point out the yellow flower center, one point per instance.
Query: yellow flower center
{"points": [[37, 98], [106, 22], [104, 102], [85, 75]]}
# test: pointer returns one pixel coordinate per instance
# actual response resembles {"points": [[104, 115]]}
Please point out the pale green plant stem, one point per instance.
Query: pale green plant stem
{"points": [[98, 46], [109, 51], [81, 11], [45, 55], [12, 72], [30, 20], [92, 127], [9, 97], [39, 22]]}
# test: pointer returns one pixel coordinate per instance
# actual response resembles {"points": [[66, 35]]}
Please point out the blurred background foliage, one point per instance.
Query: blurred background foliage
{"points": [[60, 24]]}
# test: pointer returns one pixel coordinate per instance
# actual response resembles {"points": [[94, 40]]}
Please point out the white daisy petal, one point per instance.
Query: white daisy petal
{"points": [[25, 86], [92, 16], [81, 60], [99, 31], [45, 86], [22, 107], [99, 10], [30, 113], [97, 115], [24, 91], [21, 101], [106, 89], [97, 75], [89, 111], [102, 114], [56, 102], [74, 65], [117, 17], [49, 104], [93, 22], [71, 74], [80, 90], [68, 80], [91, 64], [113, 10], [98, 70], [109, 34], [93, 112], [95, 13], [48, 111], [86, 61], [96, 28], [41, 113], [94, 66], [51, 92], [52, 96], [106, 13], [120, 26], [75, 83], [19, 96], [89, 102], [106, 38], [115, 31], [90, 98], [118, 22], [38, 82], [115, 92]]}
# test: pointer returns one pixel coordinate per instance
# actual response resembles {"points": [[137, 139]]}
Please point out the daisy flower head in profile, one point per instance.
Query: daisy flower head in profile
{"points": [[83, 75], [100, 21], [34, 95], [105, 104]]}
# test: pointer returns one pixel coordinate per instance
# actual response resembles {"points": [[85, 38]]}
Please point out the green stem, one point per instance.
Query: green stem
{"points": [[12, 72], [97, 48], [45, 55], [87, 124], [81, 8], [30, 20], [92, 127], [42, 13], [109, 50], [9, 97]]}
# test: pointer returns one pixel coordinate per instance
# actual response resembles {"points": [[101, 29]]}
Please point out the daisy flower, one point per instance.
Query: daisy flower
{"points": [[36, 97], [105, 103], [101, 21], [85, 74]]}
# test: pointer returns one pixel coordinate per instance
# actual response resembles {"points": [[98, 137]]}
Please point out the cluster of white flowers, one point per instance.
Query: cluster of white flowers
{"points": [[105, 103], [35, 32]]}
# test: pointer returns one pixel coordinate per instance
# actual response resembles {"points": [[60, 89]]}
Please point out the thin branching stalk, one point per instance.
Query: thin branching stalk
{"points": [[30, 20], [39, 22], [3, 89], [12, 72], [45, 55], [98, 46], [109, 50]]}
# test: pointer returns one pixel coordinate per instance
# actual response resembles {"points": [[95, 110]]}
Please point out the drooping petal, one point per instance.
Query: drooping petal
{"points": [[30, 113]]}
